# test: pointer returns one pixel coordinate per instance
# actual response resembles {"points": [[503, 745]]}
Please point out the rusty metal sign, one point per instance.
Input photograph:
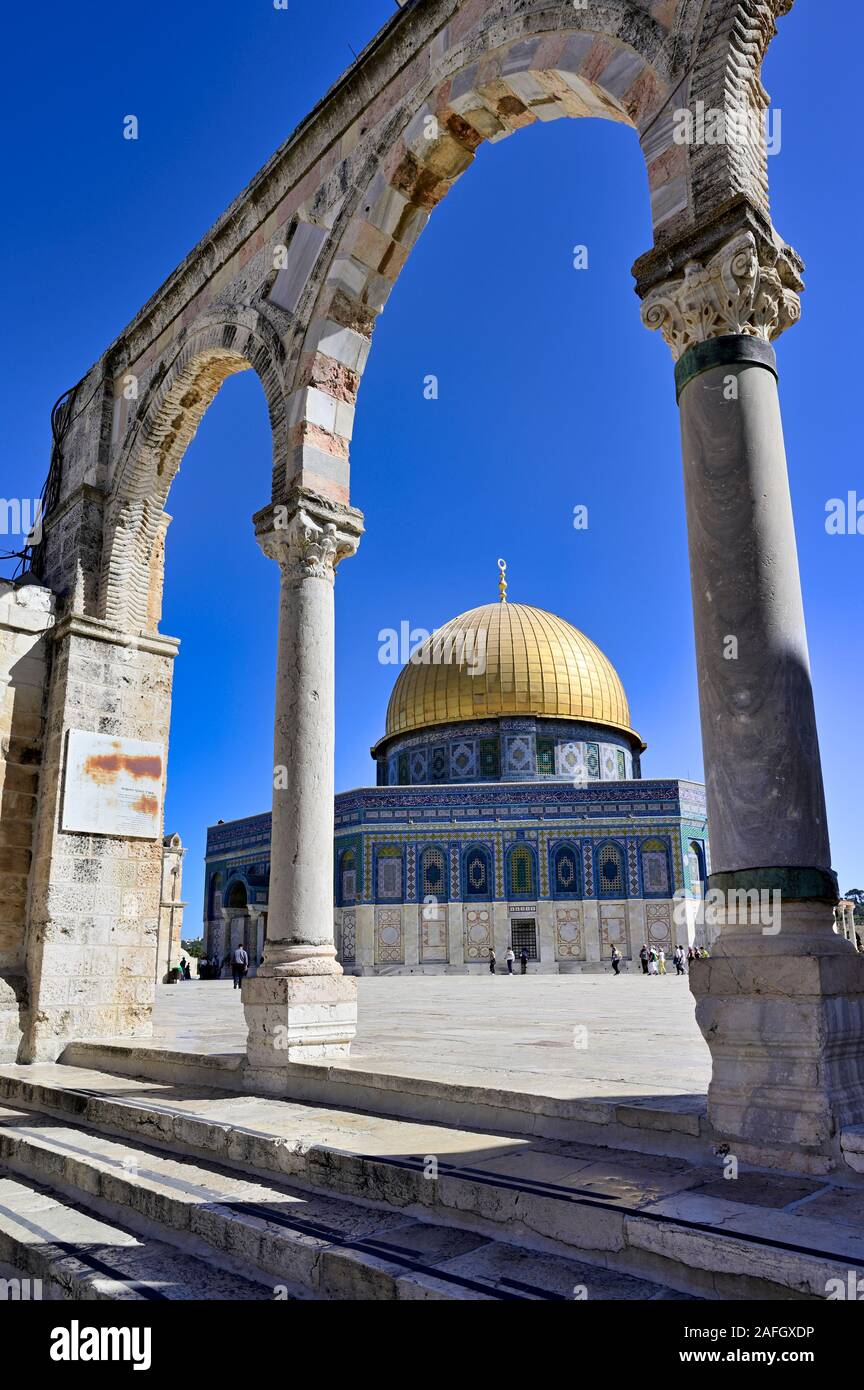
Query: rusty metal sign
{"points": [[113, 786]]}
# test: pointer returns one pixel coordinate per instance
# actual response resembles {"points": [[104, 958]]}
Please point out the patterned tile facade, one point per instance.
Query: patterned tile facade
{"points": [[508, 750]]}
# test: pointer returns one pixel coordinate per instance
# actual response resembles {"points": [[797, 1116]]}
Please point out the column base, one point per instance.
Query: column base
{"points": [[299, 1018], [783, 1016]]}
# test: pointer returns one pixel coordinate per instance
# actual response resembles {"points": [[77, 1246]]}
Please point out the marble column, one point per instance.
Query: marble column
{"points": [[300, 1006], [781, 1002]]}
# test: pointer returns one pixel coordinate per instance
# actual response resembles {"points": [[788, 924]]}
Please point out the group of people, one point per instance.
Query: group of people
{"points": [[210, 968], [510, 959], [653, 959]]}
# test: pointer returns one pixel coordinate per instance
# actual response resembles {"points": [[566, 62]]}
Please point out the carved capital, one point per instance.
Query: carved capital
{"points": [[308, 536], [747, 287]]}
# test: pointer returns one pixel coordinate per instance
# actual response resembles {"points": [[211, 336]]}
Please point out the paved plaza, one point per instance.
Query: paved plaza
{"points": [[557, 1035]]}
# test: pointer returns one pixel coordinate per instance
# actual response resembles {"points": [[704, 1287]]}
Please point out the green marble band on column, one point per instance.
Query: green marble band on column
{"points": [[731, 350], [795, 884]]}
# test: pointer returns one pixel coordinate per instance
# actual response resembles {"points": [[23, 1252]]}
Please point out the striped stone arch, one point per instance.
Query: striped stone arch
{"points": [[509, 82], [492, 72], [157, 433]]}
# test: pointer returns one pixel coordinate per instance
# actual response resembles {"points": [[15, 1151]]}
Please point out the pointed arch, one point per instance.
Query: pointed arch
{"points": [[521, 871], [180, 387]]}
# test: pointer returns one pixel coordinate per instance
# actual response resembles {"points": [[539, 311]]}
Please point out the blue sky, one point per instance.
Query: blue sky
{"points": [[551, 393]]}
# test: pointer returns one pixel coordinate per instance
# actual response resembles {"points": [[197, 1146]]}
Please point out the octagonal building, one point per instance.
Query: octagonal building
{"points": [[509, 809]]}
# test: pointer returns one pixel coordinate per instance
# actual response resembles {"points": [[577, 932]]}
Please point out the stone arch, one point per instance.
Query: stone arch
{"points": [[498, 74], [182, 385], [505, 79]]}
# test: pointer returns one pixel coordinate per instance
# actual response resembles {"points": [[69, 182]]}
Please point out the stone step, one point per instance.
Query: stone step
{"points": [[670, 1125], [286, 1242], [65, 1251], [679, 1225]]}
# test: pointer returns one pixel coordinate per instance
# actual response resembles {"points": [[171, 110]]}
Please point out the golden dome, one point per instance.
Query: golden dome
{"points": [[532, 663]]}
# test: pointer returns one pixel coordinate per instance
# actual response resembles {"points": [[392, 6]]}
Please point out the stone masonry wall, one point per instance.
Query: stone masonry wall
{"points": [[95, 899], [26, 614]]}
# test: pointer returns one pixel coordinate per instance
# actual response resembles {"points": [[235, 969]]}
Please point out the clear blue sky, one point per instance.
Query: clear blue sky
{"points": [[551, 392]]}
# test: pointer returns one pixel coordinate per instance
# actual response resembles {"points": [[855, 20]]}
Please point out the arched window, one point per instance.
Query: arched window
{"points": [[655, 868], [521, 872], [565, 872], [478, 873], [215, 898], [696, 865], [611, 882], [237, 896], [433, 875], [348, 876]]}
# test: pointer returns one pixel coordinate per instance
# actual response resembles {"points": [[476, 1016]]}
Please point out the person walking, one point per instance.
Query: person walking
{"points": [[652, 963], [643, 956], [239, 965], [523, 960], [510, 959], [678, 958], [661, 961], [492, 962], [616, 961]]}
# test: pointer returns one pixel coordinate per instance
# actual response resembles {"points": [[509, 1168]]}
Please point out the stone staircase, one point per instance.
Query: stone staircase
{"points": [[112, 1187]]}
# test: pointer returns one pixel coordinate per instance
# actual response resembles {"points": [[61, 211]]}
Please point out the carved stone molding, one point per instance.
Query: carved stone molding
{"points": [[308, 537], [745, 288]]}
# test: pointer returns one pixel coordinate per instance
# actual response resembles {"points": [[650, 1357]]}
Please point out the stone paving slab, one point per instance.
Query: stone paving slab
{"points": [[513, 1032]]}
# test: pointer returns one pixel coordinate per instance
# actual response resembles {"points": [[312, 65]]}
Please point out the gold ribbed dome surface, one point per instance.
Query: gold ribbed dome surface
{"points": [[535, 664]]}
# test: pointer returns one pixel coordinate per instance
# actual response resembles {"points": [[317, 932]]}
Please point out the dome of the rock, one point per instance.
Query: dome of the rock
{"points": [[507, 659]]}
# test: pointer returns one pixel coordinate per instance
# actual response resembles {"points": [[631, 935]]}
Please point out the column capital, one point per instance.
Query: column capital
{"points": [[749, 287], [308, 534]]}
